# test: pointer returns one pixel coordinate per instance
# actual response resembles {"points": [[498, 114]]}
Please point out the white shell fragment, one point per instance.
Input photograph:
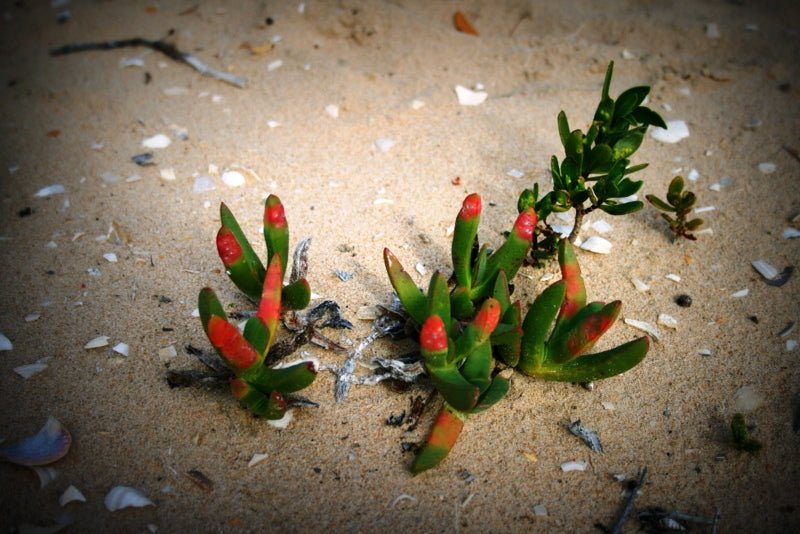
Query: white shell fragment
{"points": [[417, 104], [96, 343], [640, 285], [693, 175], [203, 184], [283, 422], [765, 269], [673, 277], [791, 344], [122, 348], [420, 268], [27, 371], [467, 97], [601, 226], [596, 244], [676, 131], [51, 443], [791, 233], [274, 65], [125, 497], [46, 475], [540, 510], [704, 352], [574, 465], [767, 167], [654, 332], [608, 405], [746, 399], [71, 494], [667, 321], [402, 497], [515, 173], [369, 313], [5, 343], [168, 174], [110, 257], [55, 189], [704, 209], [257, 458], [31, 317], [157, 141], [167, 353], [741, 293], [384, 144], [233, 178], [332, 110]]}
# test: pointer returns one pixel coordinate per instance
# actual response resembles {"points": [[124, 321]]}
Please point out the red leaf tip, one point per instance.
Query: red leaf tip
{"points": [[432, 337], [471, 207], [525, 224], [274, 214], [487, 317], [228, 248]]}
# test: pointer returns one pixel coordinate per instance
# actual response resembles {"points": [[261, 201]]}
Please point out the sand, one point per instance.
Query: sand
{"points": [[77, 120]]}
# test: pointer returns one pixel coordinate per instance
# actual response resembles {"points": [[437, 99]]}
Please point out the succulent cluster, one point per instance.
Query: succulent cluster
{"points": [[467, 325], [594, 172], [680, 203], [260, 388], [469, 328]]}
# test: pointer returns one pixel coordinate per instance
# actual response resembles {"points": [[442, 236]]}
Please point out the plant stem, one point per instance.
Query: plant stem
{"points": [[579, 212]]}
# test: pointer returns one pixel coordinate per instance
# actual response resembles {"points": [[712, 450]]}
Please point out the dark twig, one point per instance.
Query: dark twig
{"points": [[165, 48], [626, 511]]}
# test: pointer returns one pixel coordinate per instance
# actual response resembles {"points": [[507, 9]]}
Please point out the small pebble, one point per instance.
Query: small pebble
{"points": [[540, 510], [167, 174], [693, 175], [417, 105], [683, 300], [332, 110], [202, 184]]}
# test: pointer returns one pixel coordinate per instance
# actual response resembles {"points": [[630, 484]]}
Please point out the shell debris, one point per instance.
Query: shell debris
{"points": [[120, 497], [741, 293], [122, 349], [46, 475], [51, 443], [332, 110], [667, 321], [791, 344], [157, 141], [55, 189], [650, 329], [767, 167], [640, 285], [257, 458], [468, 97], [676, 131], [574, 465], [596, 244], [31, 369], [233, 178], [71, 494], [5, 343], [384, 144], [673, 277], [96, 343]]}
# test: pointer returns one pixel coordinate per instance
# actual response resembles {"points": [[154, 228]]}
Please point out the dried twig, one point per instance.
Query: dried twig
{"points": [[626, 511], [165, 48]]}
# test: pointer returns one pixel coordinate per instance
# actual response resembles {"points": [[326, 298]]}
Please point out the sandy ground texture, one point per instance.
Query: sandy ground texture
{"points": [[727, 68]]}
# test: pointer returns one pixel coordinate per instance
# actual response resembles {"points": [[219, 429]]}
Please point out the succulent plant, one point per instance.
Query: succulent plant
{"points": [[463, 328], [260, 388], [578, 325], [466, 324], [243, 265], [597, 164], [680, 203]]}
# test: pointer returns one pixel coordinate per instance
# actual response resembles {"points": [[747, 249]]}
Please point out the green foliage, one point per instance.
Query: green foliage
{"points": [[741, 437], [680, 203], [595, 172]]}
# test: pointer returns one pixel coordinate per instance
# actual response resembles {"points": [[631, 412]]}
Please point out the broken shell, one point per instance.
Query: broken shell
{"points": [[790, 233], [639, 285], [598, 245], [668, 321], [369, 313], [540, 510], [27, 371], [5, 343], [645, 327], [765, 269], [71, 494], [673, 277], [676, 130], [574, 465], [283, 422], [51, 443], [403, 497], [55, 189], [741, 293], [767, 167], [157, 141], [110, 257], [746, 399], [96, 343], [384, 144], [233, 178], [791, 344], [122, 348], [467, 97], [125, 497], [257, 459], [332, 110], [46, 475]]}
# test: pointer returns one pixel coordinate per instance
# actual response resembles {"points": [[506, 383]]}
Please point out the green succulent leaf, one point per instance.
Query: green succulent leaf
{"points": [[658, 203], [627, 187], [456, 390], [209, 305], [440, 441], [296, 296], [537, 324], [493, 394], [461, 305], [622, 209], [627, 145], [600, 365], [439, 299], [276, 231], [466, 230], [694, 224], [270, 406], [599, 160], [674, 191], [563, 128], [242, 264], [407, 291], [284, 379]]}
